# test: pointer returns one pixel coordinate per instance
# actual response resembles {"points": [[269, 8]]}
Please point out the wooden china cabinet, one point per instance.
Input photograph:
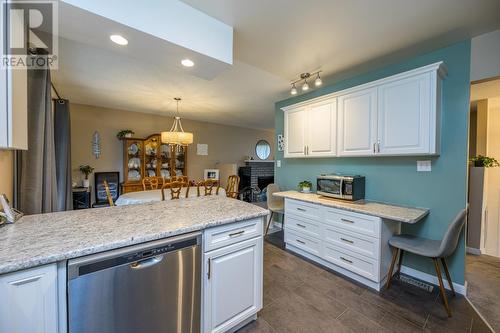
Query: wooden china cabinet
{"points": [[150, 158]]}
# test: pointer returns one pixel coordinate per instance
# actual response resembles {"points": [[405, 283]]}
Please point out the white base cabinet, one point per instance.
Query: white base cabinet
{"points": [[397, 115], [29, 301], [232, 284], [352, 244]]}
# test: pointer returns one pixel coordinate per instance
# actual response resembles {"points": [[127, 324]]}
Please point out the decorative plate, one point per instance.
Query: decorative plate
{"points": [[133, 149]]}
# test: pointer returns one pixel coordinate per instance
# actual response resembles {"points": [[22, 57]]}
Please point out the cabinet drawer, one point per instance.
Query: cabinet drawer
{"points": [[346, 259], [363, 224], [214, 238], [365, 245], [302, 209], [308, 244], [303, 225]]}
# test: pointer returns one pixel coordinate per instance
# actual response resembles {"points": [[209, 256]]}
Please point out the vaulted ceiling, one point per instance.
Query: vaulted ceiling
{"points": [[274, 41]]}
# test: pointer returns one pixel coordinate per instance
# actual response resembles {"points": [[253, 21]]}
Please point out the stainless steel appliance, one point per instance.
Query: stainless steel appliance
{"points": [[347, 187], [152, 287]]}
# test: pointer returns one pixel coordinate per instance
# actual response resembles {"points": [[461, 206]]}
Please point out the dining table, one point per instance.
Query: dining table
{"points": [[133, 198]]}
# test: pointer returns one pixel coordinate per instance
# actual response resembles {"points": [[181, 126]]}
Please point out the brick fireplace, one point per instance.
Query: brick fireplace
{"points": [[256, 175]]}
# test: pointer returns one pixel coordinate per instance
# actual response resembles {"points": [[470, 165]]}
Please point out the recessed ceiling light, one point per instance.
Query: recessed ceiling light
{"points": [[118, 39], [187, 63]]}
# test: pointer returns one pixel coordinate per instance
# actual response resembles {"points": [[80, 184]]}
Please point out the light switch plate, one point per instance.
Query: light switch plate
{"points": [[278, 163], [424, 166]]}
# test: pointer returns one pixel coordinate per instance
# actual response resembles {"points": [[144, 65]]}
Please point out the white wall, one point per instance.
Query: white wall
{"points": [[485, 56]]}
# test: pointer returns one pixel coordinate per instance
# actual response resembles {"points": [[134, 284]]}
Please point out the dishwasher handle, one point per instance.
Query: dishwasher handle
{"points": [[141, 264]]}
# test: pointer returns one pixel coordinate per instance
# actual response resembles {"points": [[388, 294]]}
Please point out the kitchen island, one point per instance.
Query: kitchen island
{"points": [[35, 252]]}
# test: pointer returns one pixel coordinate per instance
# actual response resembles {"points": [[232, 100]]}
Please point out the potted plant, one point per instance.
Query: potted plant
{"points": [[305, 186], [125, 134], [481, 161], [86, 170]]}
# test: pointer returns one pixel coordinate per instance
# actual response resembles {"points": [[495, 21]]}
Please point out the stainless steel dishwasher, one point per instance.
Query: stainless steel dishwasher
{"points": [[151, 287]]}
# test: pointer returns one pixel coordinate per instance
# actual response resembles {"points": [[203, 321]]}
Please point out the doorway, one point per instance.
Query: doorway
{"points": [[483, 228]]}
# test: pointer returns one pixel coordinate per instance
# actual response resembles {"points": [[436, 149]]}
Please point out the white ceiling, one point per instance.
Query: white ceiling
{"points": [[274, 41]]}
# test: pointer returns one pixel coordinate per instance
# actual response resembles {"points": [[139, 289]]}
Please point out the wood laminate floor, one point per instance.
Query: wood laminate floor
{"points": [[302, 297], [483, 277]]}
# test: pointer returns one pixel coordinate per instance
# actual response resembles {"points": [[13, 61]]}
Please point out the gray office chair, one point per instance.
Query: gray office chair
{"points": [[435, 249], [274, 204]]}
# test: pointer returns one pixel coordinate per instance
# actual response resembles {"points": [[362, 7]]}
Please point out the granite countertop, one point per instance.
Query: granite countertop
{"points": [[379, 209], [36, 240]]}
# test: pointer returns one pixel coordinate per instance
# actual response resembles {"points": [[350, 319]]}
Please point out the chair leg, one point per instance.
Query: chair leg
{"points": [[448, 276], [400, 262], [441, 287], [269, 223], [395, 253]]}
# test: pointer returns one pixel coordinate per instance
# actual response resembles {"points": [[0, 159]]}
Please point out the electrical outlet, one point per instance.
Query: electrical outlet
{"points": [[278, 163], [424, 166]]}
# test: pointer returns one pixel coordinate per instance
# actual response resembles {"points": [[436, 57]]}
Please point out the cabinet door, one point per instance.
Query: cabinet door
{"points": [[404, 114], [295, 132], [357, 123], [233, 285], [29, 301], [322, 129]]}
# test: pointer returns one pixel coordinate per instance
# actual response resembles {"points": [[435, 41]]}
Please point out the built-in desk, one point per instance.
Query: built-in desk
{"points": [[348, 237]]}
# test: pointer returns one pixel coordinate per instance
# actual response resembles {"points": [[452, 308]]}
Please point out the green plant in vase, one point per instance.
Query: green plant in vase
{"points": [[86, 170], [484, 161], [305, 186], [125, 134]]}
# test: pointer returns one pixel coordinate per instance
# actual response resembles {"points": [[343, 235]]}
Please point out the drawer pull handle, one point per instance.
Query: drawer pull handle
{"points": [[347, 240], [301, 242], [300, 225], [234, 234], [347, 221], [346, 260], [301, 209]]}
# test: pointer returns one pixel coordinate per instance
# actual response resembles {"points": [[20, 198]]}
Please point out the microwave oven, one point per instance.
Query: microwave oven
{"points": [[346, 187]]}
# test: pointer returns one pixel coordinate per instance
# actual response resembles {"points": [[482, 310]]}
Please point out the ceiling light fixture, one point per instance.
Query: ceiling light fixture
{"points": [[176, 135], [118, 39], [187, 63], [318, 81], [305, 85]]}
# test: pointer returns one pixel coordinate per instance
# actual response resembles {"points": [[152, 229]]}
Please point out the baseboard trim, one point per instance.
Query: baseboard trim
{"points": [[473, 250], [459, 288]]}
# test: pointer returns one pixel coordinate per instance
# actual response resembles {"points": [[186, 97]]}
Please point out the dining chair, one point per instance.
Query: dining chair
{"points": [[108, 193], [232, 187], [151, 183], [437, 250], [176, 188], [208, 186], [274, 204]]}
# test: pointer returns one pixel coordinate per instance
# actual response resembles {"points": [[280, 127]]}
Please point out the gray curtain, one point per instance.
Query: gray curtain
{"points": [[62, 138], [36, 167]]}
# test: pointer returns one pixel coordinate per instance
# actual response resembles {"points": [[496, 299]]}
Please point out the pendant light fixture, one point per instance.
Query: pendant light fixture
{"points": [[176, 135], [305, 85]]}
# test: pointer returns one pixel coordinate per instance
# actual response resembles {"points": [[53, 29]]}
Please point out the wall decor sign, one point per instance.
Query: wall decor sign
{"points": [[201, 149], [281, 142], [96, 144]]}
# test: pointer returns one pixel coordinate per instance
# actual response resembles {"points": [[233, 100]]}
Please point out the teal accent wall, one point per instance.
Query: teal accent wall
{"points": [[395, 179]]}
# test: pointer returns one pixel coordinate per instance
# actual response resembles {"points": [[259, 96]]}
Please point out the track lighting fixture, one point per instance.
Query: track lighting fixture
{"points": [[305, 85]]}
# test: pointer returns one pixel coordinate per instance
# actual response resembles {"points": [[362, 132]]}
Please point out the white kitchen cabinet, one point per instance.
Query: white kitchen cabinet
{"points": [[358, 123], [29, 300], [13, 109], [233, 285], [321, 129], [311, 131], [407, 117], [397, 115], [295, 133]]}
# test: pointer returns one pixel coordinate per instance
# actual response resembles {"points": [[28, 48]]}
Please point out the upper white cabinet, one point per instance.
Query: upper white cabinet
{"points": [[357, 130], [397, 115], [295, 130], [29, 301], [404, 117], [311, 130], [13, 109]]}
